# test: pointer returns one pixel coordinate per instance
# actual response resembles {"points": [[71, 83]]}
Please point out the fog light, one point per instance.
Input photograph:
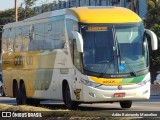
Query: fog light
{"points": [[145, 92], [92, 95]]}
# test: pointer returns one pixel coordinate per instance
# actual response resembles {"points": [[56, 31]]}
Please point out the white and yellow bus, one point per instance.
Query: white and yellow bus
{"points": [[78, 55]]}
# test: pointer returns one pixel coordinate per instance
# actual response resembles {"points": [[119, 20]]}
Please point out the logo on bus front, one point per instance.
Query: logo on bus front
{"points": [[119, 87]]}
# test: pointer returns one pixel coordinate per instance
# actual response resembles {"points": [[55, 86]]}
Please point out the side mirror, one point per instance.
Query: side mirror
{"points": [[154, 41], [79, 40]]}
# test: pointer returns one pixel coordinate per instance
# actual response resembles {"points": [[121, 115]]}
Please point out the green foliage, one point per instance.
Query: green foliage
{"points": [[156, 29], [153, 15], [153, 23], [7, 16], [155, 59], [29, 3], [28, 13], [27, 7]]}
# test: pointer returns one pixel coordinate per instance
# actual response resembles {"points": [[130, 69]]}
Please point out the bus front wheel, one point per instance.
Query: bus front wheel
{"points": [[126, 104], [67, 99]]}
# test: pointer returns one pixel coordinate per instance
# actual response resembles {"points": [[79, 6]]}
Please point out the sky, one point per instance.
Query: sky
{"points": [[7, 4]]}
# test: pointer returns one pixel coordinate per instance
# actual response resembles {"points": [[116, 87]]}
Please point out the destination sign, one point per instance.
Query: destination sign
{"points": [[97, 28]]}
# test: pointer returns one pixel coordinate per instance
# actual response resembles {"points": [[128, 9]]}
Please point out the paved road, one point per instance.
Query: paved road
{"points": [[145, 105]]}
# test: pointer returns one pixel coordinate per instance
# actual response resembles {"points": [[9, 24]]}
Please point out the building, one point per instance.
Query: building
{"points": [[138, 6]]}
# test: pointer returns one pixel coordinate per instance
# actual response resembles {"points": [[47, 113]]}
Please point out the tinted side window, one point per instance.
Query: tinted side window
{"points": [[71, 25], [11, 39], [25, 38], [58, 35], [5, 38], [36, 37], [17, 43]]}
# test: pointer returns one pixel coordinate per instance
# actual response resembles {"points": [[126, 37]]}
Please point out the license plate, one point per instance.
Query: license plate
{"points": [[119, 95]]}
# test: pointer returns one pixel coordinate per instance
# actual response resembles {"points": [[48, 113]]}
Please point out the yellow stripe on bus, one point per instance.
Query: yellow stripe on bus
{"points": [[106, 81]]}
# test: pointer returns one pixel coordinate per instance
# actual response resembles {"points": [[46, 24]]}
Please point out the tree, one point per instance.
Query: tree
{"points": [[46, 7], [28, 4], [134, 5], [8, 16], [153, 22], [153, 15]]}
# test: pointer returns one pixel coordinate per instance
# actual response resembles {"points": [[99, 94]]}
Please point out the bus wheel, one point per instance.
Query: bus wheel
{"points": [[21, 98], [23, 94], [67, 99], [126, 104], [18, 98], [15, 89]]}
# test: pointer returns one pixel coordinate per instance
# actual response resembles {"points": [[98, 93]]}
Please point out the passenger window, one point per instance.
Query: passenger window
{"points": [[5, 39], [11, 40], [25, 37], [18, 39]]}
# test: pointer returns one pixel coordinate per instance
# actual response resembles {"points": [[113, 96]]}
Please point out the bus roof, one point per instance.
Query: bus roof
{"points": [[104, 14], [91, 14]]}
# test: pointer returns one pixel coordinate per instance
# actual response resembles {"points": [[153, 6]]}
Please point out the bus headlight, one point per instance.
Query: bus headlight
{"points": [[144, 82], [89, 83]]}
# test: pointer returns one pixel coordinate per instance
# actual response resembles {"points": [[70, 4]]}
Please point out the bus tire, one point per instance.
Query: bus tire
{"points": [[18, 98], [21, 98], [67, 99], [23, 94], [15, 89], [126, 104]]}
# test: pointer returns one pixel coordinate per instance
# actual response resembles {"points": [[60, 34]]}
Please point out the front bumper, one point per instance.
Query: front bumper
{"points": [[106, 93]]}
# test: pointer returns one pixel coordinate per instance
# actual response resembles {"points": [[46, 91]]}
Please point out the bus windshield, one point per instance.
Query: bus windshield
{"points": [[114, 49]]}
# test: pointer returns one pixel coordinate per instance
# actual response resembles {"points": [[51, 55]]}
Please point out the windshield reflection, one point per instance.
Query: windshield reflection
{"points": [[113, 49]]}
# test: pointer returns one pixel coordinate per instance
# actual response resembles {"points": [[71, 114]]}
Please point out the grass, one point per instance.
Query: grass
{"points": [[47, 112], [60, 114]]}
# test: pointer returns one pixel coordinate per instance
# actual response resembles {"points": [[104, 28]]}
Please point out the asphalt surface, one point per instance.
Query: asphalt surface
{"points": [[144, 105]]}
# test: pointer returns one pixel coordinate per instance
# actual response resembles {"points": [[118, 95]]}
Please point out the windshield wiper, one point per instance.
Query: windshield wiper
{"points": [[133, 73]]}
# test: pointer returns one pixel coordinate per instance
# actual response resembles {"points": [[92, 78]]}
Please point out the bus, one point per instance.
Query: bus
{"points": [[78, 55]]}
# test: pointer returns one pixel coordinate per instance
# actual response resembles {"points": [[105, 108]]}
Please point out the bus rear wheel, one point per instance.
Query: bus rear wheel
{"points": [[15, 89], [22, 99], [126, 104], [67, 99]]}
